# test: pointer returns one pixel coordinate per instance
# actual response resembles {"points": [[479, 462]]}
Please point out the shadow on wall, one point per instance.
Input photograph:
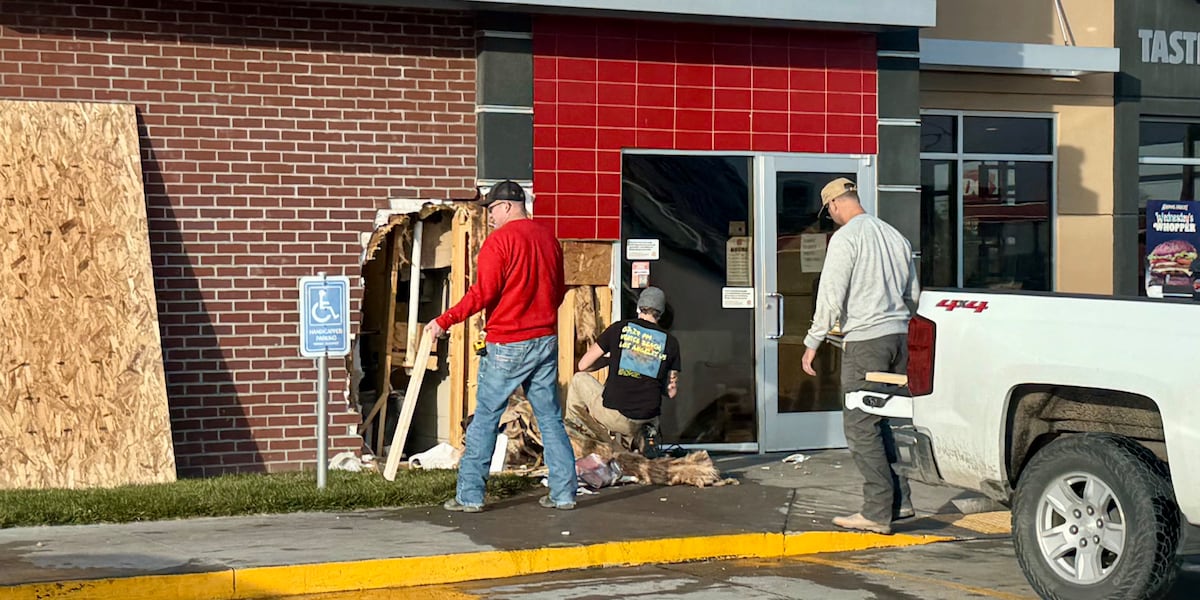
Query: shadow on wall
{"points": [[1077, 246], [208, 423]]}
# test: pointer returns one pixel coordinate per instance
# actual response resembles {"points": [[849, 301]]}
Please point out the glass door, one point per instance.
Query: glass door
{"points": [[797, 411]]}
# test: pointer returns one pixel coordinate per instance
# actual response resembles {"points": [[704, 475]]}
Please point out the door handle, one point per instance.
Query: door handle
{"points": [[775, 304]]}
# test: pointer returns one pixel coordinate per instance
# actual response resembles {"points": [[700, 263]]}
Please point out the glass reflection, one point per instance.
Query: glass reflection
{"points": [[689, 204]]}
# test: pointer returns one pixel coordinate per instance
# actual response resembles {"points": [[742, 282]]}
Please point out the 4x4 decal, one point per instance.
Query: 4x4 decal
{"points": [[975, 305]]}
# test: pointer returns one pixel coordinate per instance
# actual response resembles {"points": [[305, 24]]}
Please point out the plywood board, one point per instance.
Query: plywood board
{"points": [[84, 400], [587, 263]]}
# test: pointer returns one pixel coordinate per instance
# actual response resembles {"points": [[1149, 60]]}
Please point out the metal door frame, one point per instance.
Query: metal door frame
{"points": [[791, 431]]}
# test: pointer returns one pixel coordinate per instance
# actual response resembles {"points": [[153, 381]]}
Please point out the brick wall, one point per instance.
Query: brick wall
{"points": [[271, 132], [604, 85]]}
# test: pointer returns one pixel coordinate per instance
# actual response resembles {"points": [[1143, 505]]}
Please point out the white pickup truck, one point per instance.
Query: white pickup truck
{"points": [[1076, 411]]}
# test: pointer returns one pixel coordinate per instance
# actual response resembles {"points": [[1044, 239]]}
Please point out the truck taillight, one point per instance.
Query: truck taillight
{"points": [[921, 336]]}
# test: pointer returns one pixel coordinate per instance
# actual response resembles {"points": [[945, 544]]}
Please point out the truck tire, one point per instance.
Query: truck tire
{"points": [[1089, 488]]}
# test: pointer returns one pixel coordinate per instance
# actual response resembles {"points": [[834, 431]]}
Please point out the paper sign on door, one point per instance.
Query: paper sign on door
{"points": [[643, 249], [737, 297], [812, 252], [737, 262], [641, 275]]}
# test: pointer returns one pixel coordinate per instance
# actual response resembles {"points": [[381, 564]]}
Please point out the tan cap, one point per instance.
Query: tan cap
{"points": [[836, 188]]}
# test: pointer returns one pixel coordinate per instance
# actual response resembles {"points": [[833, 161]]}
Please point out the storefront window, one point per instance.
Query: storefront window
{"points": [[987, 196], [939, 223], [1169, 169]]}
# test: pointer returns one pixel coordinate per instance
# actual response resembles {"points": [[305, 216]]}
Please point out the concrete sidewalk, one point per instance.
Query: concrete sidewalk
{"points": [[778, 510]]}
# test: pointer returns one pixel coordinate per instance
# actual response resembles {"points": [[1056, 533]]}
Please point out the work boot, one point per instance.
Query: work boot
{"points": [[861, 523], [546, 502], [452, 505]]}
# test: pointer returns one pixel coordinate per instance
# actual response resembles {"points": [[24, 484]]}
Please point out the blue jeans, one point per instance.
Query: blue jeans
{"points": [[532, 364]]}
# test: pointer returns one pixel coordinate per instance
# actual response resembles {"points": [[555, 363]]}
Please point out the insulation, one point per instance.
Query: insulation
{"points": [[84, 394]]}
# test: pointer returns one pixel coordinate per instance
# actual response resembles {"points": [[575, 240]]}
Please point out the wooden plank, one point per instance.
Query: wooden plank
{"points": [[889, 378], [400, 436], [566, 341], [459, 270], [475, 325], [385, 371], [604, 298], [83, 395], [587, 263]]}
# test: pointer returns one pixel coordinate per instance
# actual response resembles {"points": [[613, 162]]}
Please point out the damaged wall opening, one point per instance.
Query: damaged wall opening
{"points": [[394, 311], [417, 264]]}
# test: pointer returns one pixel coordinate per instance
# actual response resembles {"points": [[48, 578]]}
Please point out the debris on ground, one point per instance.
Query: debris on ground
{"points": [[589, 438]]}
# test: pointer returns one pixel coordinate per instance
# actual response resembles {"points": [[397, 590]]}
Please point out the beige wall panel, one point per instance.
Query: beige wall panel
{"points": [[1024, 21], [1085, 160], [1085, 134], [1084, 257]]}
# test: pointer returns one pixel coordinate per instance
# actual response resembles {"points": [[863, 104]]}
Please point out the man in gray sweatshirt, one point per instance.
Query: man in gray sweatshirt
{"points": [[869, 285]]}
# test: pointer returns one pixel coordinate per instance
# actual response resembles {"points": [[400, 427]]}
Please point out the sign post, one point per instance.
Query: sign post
{"points": [[324, 330]]}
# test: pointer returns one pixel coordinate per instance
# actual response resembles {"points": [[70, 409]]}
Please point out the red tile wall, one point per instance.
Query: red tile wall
{"points": [[601, 86], [270, 133]]}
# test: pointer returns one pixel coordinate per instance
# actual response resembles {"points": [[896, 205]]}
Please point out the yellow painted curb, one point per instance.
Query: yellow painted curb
{"points": [[266, 582]]}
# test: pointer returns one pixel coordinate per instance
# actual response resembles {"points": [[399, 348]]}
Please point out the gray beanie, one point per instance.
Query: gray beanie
{"points": [[654, 298]]}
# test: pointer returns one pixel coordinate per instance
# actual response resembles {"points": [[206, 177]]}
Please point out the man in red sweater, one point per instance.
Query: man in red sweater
{"points": [[520, 283]]}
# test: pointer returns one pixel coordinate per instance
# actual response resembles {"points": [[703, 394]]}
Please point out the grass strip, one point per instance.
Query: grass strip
{"points": [[230, 495]]}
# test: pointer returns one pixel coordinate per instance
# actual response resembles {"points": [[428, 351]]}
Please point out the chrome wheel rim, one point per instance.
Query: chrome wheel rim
{"points": [[1081, 528]]}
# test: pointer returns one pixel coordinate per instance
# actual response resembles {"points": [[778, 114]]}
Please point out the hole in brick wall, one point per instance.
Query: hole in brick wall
{"points": [[384, 342]]}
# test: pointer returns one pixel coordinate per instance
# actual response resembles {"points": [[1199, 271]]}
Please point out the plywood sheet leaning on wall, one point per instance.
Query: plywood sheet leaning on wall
{"points": [[81, 373]]}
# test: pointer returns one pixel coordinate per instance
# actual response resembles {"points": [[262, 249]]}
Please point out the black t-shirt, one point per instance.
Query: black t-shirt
{"points": [[642, 355]]}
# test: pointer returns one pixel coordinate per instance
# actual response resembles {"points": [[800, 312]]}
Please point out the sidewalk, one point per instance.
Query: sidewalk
{"points": [[778, 510]]}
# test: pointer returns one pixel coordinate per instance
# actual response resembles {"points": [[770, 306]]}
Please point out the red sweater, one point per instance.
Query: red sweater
{"points": [[520, 283]]}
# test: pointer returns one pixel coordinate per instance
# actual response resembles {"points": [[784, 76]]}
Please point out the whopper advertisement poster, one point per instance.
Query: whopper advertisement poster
{"points": [[1171, 242]]}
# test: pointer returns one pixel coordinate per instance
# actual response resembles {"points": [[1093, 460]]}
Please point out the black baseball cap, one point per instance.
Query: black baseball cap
{"points": [[507, 191]]}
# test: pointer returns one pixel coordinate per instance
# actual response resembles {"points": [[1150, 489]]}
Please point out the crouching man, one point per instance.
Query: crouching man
{"points": [[643, 361]]}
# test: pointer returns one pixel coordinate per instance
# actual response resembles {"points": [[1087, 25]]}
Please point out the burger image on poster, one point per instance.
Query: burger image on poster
{"points": [[1171, 264]]}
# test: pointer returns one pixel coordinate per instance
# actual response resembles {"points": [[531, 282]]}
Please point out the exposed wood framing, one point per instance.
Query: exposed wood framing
{"points": [[459, 268], [566, 341], [414, 294], [385, 373], [604, 297]]}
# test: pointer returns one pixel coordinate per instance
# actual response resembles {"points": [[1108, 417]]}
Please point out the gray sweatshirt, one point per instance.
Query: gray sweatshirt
{"points": [[869, 282]]}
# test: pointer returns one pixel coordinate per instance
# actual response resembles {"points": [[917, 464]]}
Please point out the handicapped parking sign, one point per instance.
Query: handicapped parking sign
{"points": [[324, 316]]}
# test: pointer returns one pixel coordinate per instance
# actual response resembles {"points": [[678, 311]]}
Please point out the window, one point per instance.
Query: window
{"points": [[1168, 169], [987, 198]]}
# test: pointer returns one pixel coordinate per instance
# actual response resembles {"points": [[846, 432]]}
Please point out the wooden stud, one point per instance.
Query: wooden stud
{"points": [[566, 341], [604, 297], [385, 373], [400, 436], [459, 269], [475, 325], [414, 294]]}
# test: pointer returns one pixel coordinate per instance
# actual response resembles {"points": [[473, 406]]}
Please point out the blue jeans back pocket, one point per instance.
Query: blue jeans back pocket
{"points": [[507, 357]]}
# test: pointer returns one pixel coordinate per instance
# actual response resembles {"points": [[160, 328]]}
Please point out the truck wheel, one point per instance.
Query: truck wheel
{"points": [[1095, 517]]}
